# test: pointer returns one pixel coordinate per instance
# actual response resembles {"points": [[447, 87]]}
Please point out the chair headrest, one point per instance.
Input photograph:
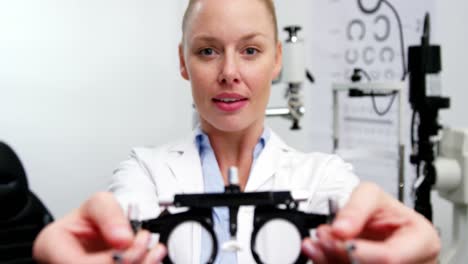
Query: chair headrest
{"points": [[13, 183]]}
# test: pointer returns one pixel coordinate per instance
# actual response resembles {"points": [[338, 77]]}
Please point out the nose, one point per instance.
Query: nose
{"points": [[229, 73]]}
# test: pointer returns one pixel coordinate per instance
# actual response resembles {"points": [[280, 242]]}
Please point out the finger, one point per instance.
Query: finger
{"points": [[371, 252], [139, 248], [156, 255], [64, 248], [365, 201], [106, 214], [97, 258], [425, 249], [332, 248], [313, 251]]}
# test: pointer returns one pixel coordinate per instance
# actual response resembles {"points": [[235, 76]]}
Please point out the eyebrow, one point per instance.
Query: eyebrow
{"points": [[208, 38], [252, 35]]}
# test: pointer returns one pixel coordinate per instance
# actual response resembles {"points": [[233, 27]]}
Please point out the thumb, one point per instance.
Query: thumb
{"points": [[104, 212], [365, 201]]}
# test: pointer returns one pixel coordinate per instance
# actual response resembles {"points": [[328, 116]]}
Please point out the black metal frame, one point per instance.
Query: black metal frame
{"points": [[200, 211]]}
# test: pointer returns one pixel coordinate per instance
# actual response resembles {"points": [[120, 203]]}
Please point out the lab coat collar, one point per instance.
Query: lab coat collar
{"points": [[184, 162], [267, 163], [185, 165]]}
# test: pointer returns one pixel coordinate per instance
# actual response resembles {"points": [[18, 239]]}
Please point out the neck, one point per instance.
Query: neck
{"points": [[234, 149]]}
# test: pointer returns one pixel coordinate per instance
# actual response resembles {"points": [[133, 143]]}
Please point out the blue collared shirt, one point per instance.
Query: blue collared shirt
{"points": [[213, 183]]}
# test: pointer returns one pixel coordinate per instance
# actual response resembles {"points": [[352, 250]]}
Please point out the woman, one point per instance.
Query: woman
{"points": [[230, 53]]}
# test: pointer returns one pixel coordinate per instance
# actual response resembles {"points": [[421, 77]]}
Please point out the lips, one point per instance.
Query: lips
{"points": [[230, 102]]}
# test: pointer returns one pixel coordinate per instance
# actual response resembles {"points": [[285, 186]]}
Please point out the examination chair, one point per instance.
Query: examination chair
{"points": [[22, 214]]}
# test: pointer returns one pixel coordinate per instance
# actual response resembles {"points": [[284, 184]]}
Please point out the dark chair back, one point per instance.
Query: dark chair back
{"points": [[22, 214]]}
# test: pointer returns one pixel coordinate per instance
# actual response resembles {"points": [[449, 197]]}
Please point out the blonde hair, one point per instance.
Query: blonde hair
{"points": [[270, 5]]}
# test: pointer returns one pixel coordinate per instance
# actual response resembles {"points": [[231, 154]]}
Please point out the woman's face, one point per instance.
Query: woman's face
{"points": [[230, 55]]}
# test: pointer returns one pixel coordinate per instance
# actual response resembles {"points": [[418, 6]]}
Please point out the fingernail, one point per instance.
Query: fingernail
{"points": [[144, 240], [326, 241], [350, 246], [117, 257], [328, 244], [159, 254], [350, 249], [309, 249], [122, 233], [318, 233], [141, 242], [342, 224]]}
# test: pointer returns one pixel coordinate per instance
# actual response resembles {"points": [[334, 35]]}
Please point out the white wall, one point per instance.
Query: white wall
{"points": [[451, 32], [81, 82]]}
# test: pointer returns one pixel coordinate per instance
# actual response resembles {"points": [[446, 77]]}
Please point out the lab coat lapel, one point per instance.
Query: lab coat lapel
{"points": [[184, 163], [267, 163]]}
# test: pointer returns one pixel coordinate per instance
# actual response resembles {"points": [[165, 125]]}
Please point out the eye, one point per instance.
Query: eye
{"points": [[251, 51], [206, 52]]}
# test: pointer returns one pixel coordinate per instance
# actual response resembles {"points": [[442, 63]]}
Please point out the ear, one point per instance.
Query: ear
{"points": [[182, 64], [278, 60]]}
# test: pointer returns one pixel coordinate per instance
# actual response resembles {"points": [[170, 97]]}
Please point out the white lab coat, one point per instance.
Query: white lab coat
{"points": [[154, 174]]}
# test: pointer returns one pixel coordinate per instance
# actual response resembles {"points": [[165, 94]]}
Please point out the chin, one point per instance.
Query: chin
{"points": [[230, 124]]}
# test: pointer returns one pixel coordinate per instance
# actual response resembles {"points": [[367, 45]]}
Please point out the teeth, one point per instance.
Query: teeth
{"points": [[228, 100]]}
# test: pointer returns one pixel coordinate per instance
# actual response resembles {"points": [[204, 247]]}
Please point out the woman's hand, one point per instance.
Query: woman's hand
{"points": [[97, 232], [379, 228]]}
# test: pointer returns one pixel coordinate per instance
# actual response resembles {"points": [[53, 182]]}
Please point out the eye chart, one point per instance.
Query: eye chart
{"points": [[365, 34]]}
